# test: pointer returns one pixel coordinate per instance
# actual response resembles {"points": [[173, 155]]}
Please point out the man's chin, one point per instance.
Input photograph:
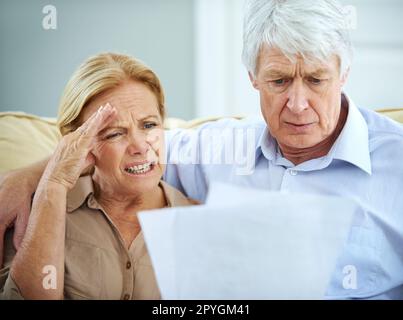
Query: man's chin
{"points": [[300, 142]]}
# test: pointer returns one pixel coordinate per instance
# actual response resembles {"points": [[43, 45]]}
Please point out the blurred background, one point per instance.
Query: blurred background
{"points": [[193, 45]]}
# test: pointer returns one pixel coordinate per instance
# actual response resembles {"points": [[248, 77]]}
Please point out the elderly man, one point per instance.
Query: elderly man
{"points": [[313, 139]]}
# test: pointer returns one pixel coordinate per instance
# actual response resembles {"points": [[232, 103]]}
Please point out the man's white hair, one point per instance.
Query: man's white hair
{"points": [[314, 29]]}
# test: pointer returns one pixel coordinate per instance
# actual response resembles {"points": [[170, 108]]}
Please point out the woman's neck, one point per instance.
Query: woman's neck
{"points": [[123, 209], [130, 203]]}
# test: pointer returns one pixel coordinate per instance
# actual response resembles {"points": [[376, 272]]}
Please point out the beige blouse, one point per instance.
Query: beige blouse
{"points": [[97, 263]]}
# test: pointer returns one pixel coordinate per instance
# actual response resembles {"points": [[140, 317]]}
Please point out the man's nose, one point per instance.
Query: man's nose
{"points": [[138, 144], [297, 98]]}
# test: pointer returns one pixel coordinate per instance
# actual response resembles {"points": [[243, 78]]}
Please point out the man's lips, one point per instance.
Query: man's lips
{"points": [[299, 127], [299, 124]]}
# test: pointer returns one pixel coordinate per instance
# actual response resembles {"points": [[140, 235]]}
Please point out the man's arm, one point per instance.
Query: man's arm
{"points": [[16, 189]]}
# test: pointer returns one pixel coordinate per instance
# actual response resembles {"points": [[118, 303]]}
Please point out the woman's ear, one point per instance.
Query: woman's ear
{"points": [[253, 80]]}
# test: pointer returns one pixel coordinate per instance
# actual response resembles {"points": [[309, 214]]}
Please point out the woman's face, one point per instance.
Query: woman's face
{"points": [[130, 150]]}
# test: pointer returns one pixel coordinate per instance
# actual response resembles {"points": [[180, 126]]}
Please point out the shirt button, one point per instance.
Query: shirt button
{"points": [[126, 297], [293, 172], [128, 265]]}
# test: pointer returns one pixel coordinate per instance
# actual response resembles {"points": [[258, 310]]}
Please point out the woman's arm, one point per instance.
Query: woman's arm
{"points": [[38, 267], [16, 188]]}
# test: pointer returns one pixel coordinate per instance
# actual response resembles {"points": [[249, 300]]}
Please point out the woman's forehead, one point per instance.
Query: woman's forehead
{"points": [[126, 115], [132, 99]]}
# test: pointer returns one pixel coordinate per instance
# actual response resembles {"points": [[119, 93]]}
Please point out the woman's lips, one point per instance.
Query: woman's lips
{"points": [[140, 171], [138, 163], [139, 168]]}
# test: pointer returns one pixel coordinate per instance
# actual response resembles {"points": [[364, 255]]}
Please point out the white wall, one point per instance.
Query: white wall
{"points": [[376, 79], [222, 85], [194, 45], [35, 64], [221, 81]]}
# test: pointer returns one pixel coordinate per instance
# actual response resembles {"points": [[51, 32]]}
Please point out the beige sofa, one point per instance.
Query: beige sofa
{"points": [[26, 138]]}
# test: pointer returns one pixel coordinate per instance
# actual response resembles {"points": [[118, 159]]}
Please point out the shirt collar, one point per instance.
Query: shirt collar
{"points": [[174, 197], [79, 194], [351, 146], [267, 145], [84, 191]]}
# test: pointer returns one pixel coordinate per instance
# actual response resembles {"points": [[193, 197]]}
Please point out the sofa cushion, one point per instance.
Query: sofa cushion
{"points": [[395, 114], [26, 138]]}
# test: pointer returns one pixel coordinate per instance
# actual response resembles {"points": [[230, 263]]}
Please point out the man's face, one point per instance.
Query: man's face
{"points": [[300, 101]]}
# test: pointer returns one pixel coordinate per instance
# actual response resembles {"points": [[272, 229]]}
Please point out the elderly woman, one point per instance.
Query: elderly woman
{"points": [[83, 239]]}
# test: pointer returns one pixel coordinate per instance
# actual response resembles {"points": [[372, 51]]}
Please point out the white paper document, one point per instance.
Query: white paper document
{"points": [[247, 244]]}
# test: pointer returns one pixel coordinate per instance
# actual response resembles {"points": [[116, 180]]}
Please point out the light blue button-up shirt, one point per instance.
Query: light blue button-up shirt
{"points": [[365, 164]]}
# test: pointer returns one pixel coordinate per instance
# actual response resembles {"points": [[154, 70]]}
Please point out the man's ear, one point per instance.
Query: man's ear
{"points": [[253, 80], [344, 77]]}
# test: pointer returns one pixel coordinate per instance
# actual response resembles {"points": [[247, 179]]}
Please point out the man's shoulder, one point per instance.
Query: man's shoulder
{"points": [[383, 133], [379, 124]]}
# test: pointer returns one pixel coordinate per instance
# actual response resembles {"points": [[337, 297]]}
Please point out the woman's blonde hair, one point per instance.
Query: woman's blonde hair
{"points": [[98, 74]]}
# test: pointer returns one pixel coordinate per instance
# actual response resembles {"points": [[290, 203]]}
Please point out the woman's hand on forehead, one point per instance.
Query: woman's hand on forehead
{"points": [[98, 121], [73, 153]]}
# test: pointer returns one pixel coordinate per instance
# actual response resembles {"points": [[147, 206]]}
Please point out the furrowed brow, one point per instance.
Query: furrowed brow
{"points": [[318, 73], [150, 117], [276, 74], [109, 129]]}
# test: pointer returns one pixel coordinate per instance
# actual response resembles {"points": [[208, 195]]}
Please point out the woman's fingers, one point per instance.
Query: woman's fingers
{"points": [[87, 134], [73, 153], [98, 121]]}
